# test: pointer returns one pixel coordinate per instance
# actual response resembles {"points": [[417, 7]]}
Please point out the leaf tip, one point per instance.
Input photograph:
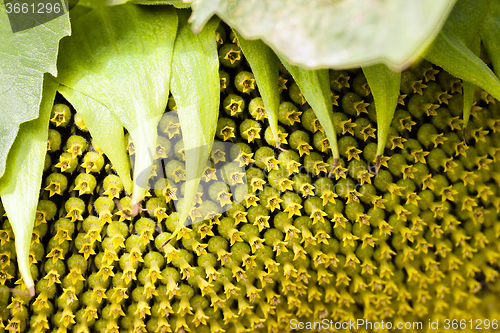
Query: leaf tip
{"points": [[280, 148], [335, 164], [136, 202], [377, 163]]}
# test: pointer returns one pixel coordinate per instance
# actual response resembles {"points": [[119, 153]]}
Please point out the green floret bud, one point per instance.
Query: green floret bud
{"points": [[314, 164], [283, 222], [339, 80], [60, 115], [233, 174], [80, 123], [250, 130], [427, 135], [302, 184], [92, 162], [163, 147], [299, 141], [353, 105], [449, 82], [265, 159], [296, 95], [45, 211], [269, 136], [321, 142], [54, 140], [288, 114], [257, 109], [56, 183], [230, 55], [76, 145], [233, 105], [314, 207], [270, 198], [279, 180], [241, 192], [175, 171], [157, 208], [361, 86], [85, 183], [242, 153], [145, 228], [112, 186], [364, 129], [291, 203], [226, 129], [402, 121], [67, 163], [245, 82], [289, 160], [224, 81], [219, 192], [179, 150], [93, 227], [410, 84], [418, 106], [169, 126], [348, 148], [258, 215]]}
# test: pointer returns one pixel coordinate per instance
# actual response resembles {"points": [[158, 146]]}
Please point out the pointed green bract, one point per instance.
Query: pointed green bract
{"points": [[384, 85], [469, 91], [315, 87], [120, 56], [264, 64], [107, 132], [450, 50], [175, 3], [21, 183], [461, 62], [196, 91], [468, 87], [490, 34], [25, 56]]}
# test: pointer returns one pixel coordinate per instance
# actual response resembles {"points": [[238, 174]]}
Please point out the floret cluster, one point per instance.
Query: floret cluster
{"points": [[292, 236]]}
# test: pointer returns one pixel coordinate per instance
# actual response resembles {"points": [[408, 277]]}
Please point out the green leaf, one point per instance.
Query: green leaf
{"points": [[25, 57], [315, 87], [21, 183], [264, 64], [107, 132], [120, 57], [384, 85], [450, 50], [8, 132], [78, 11], [196, 91], [490, 34], [320, 34]]}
